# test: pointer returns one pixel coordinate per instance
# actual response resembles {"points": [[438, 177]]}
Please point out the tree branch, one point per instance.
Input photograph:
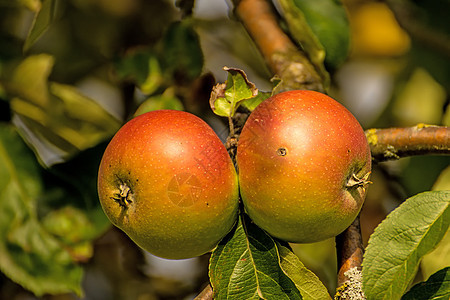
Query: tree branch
{"points": [[350, 250], [280, 53], [206, 294], [395, 143]]}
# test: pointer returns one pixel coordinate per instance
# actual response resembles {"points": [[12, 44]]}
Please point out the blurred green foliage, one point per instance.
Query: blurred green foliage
{"points": [[71, 72]]}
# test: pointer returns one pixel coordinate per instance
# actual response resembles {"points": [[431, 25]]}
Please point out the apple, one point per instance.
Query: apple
{"points": [[168, 182], [304, 163]]}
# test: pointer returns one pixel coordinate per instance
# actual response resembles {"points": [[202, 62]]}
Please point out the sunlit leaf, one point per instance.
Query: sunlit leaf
{"points": [[29, 80], [154, 78], [73, 228], [443, 181], [306, 281], [253, 102], [439, 257], [56, 120], [143, 68], [320, 258], [408, 106], [43, 19], [401, 240], [167, 100], [437, 287], [245, 265], [226, 97], [29, 255]]}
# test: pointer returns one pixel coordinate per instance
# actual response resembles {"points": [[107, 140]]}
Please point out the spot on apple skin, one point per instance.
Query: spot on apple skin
{"points": [[282, 151]]}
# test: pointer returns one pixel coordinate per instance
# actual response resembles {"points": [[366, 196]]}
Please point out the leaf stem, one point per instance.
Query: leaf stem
{"points": [[231, 125]]}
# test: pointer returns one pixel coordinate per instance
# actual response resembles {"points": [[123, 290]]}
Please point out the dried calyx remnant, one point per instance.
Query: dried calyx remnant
{"points": [[281, 151], [125, 195], [354, 181]]}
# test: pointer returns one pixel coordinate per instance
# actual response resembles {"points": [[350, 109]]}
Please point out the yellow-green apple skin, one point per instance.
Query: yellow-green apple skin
{"points": [[168, 182], [304, 163]]}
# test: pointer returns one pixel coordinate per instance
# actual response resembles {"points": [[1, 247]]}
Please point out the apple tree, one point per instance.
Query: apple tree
{"points": [[73, 73]]}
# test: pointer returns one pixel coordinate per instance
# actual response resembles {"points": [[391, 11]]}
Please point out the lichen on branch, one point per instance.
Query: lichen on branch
{"points": [[350, 250], [205, 294], [395, 143]]}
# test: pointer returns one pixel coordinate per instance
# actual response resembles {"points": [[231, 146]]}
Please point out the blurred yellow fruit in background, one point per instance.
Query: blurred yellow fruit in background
{"points": [[375, 31]]}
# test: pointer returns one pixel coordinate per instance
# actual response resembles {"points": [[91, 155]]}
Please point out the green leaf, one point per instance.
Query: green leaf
{"points": [[29, 255], [226, 97], [42, 20], [167, 100], [73, 229], [302, 32], [328, 21], [71, 198], [443, 181], [305, 37], [182, 54], [437, 287], [401, 240], [142, 67], [253, 102], [245, 265], [29, 80], [55, 119], [438, 258], [306, 281]]}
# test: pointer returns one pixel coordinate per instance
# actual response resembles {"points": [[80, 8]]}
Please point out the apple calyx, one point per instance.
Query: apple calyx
{"points": [[282, 151], [125, 195], [354, 181]]}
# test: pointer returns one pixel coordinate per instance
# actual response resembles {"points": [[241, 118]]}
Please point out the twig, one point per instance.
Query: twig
{"points": [[395, 143], [350, 250], [206, 294], [387, 144], [282, 56]]}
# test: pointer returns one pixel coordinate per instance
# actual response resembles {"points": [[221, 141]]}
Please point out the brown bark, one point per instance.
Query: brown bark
{"points": [[282, 56], [395, 143], [350, 250], [206, 294]]}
